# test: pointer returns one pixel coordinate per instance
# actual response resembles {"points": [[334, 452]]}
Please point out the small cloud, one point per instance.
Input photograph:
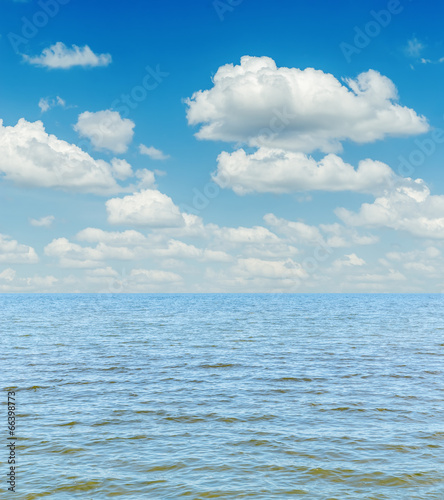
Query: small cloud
{"points": [[147, 178], [106, 130], [153, 153], [43, 221], [46, 103], [8, 274], [430, 61], [414, 47], [121, 169], [62, 57]]}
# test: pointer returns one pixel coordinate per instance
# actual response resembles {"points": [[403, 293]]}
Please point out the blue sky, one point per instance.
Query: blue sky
{"points": [[224, 146]]}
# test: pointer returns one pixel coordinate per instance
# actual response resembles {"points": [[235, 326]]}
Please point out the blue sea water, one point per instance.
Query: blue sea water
{"points": [[224, 396]]}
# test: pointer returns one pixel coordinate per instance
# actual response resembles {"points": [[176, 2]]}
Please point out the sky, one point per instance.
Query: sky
{"points": [[221, 146]]}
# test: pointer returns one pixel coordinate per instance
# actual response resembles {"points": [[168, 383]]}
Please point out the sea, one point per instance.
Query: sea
{"points": [[223, 396]]}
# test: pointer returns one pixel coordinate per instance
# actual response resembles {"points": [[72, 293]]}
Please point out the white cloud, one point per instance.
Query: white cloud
{"points": [[379, 279], [420, 261], [127, 245], [94, 235], [245, 235], [7, 275], [137, 280], [410, 207], [72, 255], [429, 253], [12, 252], [338, 236], [10, 282], [106, 130], [43, 221], [269, 269], [152, 152], [259, 104], [101, 272], [431, 61], [278, 171], [216, 256], [31, 157], [146, 178], [62, 57], [295, 231], [46, 103], [326, 235], [350, 260], [124, 246], [149, 208], [414, 47], [193, 227], [122, 169], [176, 249], [154, 276]]}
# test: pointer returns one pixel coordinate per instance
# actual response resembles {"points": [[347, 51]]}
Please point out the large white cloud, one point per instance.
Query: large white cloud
{"points": [[106, 130], [148, 208], [279, 171], [259, 104], [410, 207], [63, 57], [29, 156]]}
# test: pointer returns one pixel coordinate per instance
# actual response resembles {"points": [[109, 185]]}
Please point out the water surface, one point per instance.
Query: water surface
{"points": [[225, 396]]}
